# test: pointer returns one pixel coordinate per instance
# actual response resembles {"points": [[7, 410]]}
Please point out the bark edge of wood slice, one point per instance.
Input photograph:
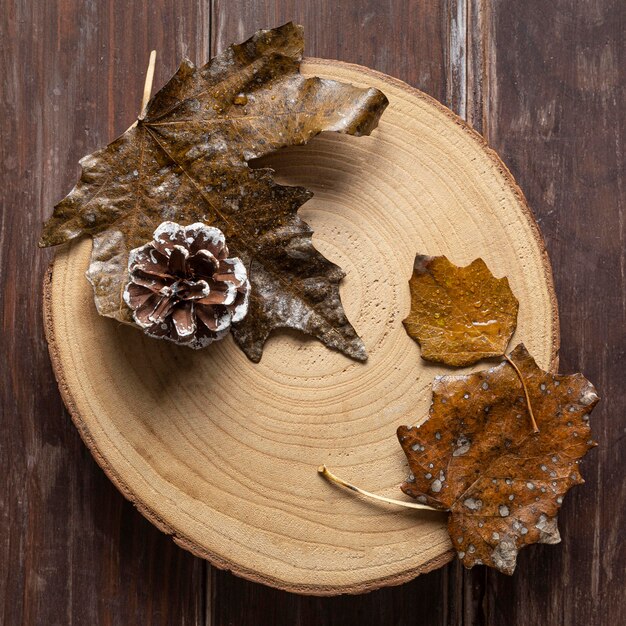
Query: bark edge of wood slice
{"points": [[221, 453]]}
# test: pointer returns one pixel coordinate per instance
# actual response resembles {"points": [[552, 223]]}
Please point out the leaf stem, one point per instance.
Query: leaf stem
{"points": [[328, 475], [528, 404], [147, 86]]}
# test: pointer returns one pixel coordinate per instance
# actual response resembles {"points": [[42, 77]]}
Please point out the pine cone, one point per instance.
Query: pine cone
{"points": [[183, 287]]}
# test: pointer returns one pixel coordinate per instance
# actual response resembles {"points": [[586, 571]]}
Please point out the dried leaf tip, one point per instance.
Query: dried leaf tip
{"points": [[328, 475]]}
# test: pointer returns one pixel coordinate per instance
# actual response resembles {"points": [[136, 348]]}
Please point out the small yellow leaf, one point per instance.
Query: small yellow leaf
{"points": [[459, 315]]}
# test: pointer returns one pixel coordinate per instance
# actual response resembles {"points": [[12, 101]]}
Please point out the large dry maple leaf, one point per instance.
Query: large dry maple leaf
{"points": [[459, 315], [477, 457], [185, 160]]}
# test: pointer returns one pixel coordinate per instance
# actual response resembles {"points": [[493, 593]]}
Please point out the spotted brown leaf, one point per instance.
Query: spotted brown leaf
{"points": [[186, 161], [459, 315], [477, 457]]}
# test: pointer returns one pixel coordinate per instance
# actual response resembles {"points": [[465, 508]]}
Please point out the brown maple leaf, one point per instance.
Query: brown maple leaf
{"points": [[459, 315], [476, 457], [185, 160]]}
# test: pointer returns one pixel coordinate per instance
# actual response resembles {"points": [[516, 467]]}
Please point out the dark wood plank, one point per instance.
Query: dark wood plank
{"points": [[430, 599], [544, 84], [411, 40], [405, 38], [553, 107], [72, 550]]}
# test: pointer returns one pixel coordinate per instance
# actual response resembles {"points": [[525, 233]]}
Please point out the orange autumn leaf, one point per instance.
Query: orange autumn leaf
{"points": [[459, 315], [477, 458]]}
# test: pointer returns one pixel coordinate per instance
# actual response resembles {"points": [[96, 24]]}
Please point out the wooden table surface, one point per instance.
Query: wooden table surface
{"points": [[542, 81]]}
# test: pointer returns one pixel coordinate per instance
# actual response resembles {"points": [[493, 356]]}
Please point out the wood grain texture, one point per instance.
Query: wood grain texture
{"points": [[556, 87], [364, 32], [408, 39], [511, 60], [72, 550], [569, 162], [221, 452]]}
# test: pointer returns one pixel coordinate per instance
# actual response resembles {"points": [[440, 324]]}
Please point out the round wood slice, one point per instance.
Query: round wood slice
{"points": [[222, 453]]}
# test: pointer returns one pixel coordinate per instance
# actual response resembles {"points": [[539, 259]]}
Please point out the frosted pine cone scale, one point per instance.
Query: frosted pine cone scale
{"points": [[184, 287]]}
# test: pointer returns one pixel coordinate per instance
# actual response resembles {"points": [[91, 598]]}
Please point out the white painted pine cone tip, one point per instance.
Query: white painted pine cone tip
{"points": [[184, 287]]}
